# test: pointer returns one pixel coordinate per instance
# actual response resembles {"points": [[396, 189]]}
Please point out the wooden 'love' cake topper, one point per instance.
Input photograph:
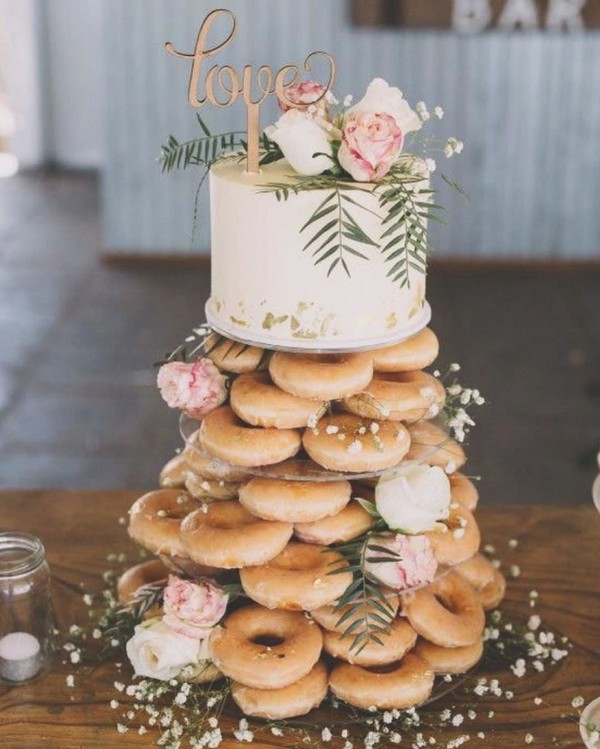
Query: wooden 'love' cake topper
{"points": [[223, 84]]}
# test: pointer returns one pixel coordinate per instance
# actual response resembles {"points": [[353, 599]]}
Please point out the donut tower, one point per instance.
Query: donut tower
{"points": [[269, 487], [319, 479]]}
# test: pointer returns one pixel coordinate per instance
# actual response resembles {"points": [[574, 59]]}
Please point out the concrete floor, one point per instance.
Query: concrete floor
{"points": [[78, 406]]}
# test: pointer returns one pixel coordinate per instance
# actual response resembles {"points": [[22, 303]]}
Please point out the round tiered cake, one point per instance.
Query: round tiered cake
{"points": [[269, 285]]}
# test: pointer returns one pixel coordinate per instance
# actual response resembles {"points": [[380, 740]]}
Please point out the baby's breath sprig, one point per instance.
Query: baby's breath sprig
{"points": [[183, 713], [458, 400], [179, 713]]}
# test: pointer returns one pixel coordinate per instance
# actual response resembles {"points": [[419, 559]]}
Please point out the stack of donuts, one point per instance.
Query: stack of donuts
{"points": [[343, 415]]}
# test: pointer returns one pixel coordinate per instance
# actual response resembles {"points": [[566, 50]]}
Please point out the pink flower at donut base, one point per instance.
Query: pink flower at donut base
{"points": [[193, 609], [195, 388], [416, 564]]}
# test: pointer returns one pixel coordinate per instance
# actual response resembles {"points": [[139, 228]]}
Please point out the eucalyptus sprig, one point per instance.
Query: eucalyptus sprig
{"points": [[365, 611], [202, 341], [207, 149], [406, 205]]}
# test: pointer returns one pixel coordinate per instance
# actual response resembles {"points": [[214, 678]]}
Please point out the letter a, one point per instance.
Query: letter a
{"points": [[519, 13]]}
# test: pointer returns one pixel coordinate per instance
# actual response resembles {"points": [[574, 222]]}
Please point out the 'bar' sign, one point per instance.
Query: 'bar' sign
{"points": [[474, 16]]}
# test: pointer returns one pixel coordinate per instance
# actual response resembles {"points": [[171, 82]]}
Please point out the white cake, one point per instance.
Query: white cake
{"points": [[267, 291]]}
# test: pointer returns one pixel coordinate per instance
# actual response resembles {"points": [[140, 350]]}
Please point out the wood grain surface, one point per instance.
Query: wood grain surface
{"points": [[558, 554]]}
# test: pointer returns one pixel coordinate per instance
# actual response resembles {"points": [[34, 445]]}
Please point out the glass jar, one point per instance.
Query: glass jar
{"points": [[26, 619]]}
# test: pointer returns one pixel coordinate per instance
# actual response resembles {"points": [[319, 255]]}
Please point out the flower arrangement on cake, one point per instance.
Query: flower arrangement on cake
{"points": [[370, 146]]}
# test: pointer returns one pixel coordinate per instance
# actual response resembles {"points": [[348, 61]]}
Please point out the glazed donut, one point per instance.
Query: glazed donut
{"points": [[430, 444], [321, 377], [415, 353], [266, 649], [478, 571], [450, 660], [201, 488], [208, 466], [155, 519], [488, 582], [294, 501], [173, 473], [354, 446], [138, 576], [296, 699], [447, 612], [492, 594], [463, 491], [329, 616], [401, 685], [232, 356], [299, 578], [398, 396], [225, 436], [225, 534], [185, 566], [395, 643], [459, 541], [349, 523], [256, 400]]}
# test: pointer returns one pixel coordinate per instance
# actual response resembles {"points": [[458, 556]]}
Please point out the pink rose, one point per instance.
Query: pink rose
{"points": [[193, 609], [371, 143], [302, 95], [415, 564], [194, 388]]}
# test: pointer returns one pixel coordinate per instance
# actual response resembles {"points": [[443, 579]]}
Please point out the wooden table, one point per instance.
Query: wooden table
{"points": [[558, 553]]}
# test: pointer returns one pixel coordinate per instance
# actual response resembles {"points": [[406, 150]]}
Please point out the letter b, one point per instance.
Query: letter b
{"points": [[471, 16]]}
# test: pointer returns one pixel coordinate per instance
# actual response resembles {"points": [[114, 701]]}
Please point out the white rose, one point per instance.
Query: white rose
{"points": [[157, 651], [383, 98], [413, 499], [300, 137]]}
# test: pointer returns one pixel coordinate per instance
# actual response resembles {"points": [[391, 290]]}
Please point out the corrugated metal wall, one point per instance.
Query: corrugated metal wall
{"points": [[526, 105]]}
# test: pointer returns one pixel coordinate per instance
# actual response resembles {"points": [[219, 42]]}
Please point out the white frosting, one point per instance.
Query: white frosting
{"points": [[267, 290]]}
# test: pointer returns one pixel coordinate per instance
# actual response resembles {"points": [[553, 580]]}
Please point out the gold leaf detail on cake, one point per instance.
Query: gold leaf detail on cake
{"points": [[239, 323], [326, 323], [270, 320], [305, 334], [419, 299], [294, 323], [391, 321]]}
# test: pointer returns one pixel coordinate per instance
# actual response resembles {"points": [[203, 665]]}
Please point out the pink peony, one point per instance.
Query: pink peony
{"points": [[193, 609], [415, 565], [302, 95], [371, 143], [194, 388]]}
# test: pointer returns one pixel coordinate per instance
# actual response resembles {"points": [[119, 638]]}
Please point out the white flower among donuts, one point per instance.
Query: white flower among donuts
{"points": [[413, 499]]}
